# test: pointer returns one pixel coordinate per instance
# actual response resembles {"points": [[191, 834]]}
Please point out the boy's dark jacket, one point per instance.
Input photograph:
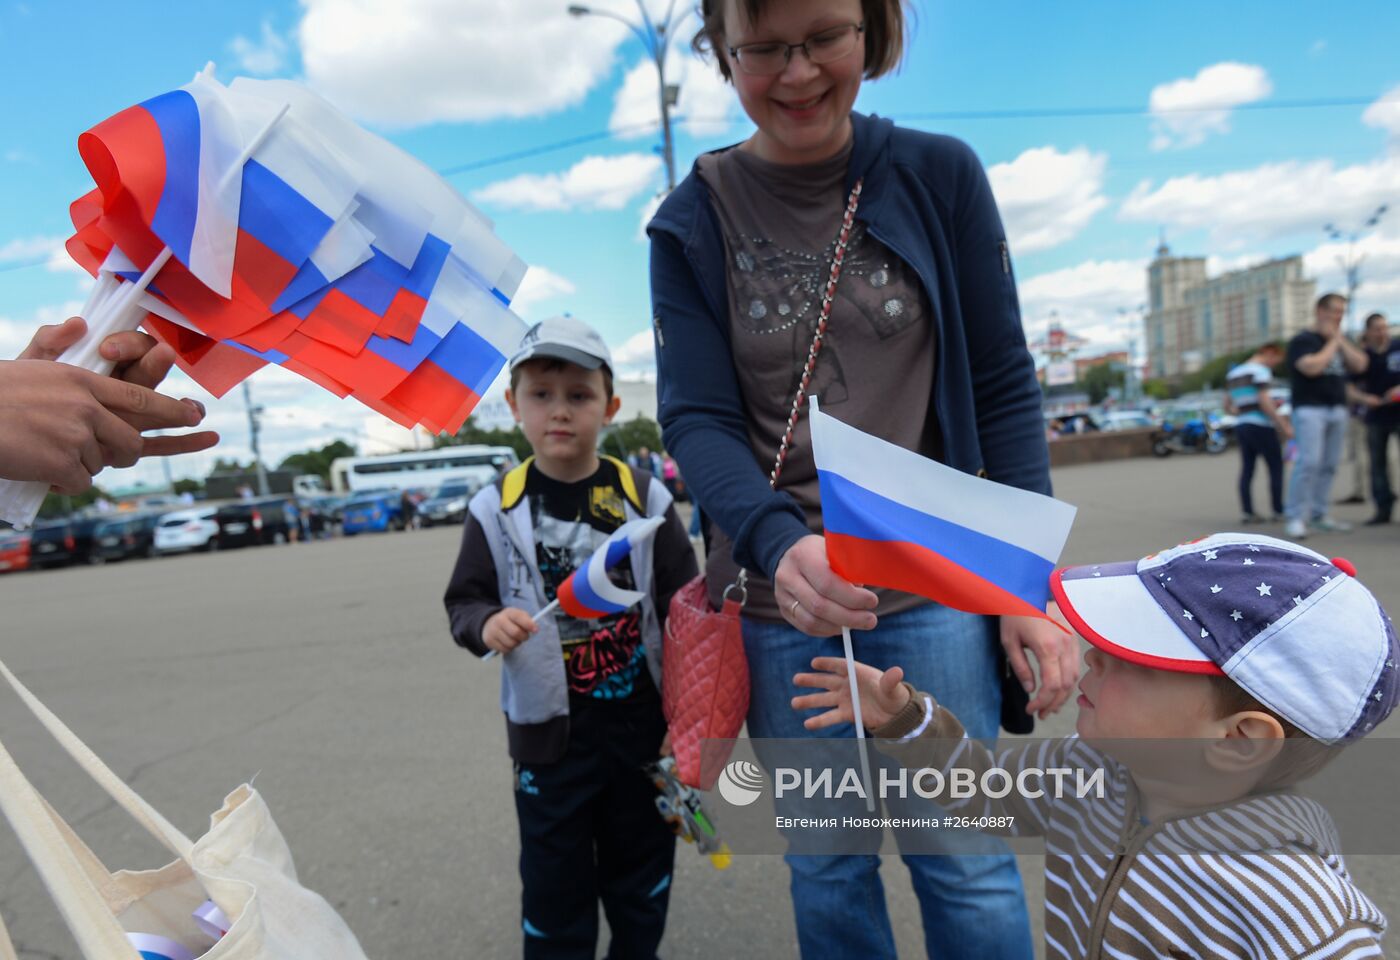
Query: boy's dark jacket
{"points": [[925, 197], [497, 567]]}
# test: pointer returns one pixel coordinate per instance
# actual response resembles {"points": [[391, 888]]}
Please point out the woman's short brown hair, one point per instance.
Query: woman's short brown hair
{"points": [[884, 32]]}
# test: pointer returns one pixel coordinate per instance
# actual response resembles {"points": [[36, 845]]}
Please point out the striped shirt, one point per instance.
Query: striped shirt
{"points": [[1244, 384], [1258, 878]]}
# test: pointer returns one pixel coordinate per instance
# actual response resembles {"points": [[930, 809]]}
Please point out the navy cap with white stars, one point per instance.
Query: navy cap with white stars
{"points": [[1297, 631]]}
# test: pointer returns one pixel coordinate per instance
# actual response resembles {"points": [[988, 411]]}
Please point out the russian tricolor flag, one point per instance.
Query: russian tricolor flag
{"points": [[588, 594], [895, 519]]}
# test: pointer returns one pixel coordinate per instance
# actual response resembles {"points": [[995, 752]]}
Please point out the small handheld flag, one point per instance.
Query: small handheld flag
{"points": [[588, 594], [895, 519]]}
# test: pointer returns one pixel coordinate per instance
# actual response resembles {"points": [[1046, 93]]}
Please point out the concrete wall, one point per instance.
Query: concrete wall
{"points": [[1095, 447]]}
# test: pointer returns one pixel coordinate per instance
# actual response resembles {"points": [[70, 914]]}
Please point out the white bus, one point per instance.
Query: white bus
{"points": [[425, 469]]}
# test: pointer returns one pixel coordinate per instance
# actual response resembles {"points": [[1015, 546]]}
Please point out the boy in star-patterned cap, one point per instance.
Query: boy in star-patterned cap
{"points": [[1220, 672]]}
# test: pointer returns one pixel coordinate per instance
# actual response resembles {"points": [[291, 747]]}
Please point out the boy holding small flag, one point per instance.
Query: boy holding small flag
{"points": [[566, 569], [1220, 673]]}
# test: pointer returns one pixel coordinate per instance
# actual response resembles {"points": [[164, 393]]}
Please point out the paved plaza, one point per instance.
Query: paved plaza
{"points": [[325, 671]]}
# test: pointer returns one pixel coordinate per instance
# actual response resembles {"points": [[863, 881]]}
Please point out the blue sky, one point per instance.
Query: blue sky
{"points": [[1126, 120]]}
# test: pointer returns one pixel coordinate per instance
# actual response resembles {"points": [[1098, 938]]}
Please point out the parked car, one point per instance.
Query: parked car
{"points": [[449, 504], [14, 550], [250, 523], [374, 513], [52, 544], [1064, 424], [321, 515], [192, 529], [124, 535], [1126, 420]]}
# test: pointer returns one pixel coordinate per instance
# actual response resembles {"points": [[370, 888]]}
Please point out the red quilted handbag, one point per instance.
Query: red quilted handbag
{"points": [[705, 689], [704, 672]]}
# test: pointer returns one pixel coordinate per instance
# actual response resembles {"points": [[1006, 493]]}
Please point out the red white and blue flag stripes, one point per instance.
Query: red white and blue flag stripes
{"points": [[296, 237], [587, 593], [895, 519]]}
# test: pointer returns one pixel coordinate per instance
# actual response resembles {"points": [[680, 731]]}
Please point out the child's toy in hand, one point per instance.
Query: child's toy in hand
{"points": [[682, 808]]}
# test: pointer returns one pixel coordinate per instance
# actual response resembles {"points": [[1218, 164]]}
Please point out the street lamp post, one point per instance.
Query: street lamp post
{"points": [[1350, 262], [1131, 382], [656, 38], [254, 427]]}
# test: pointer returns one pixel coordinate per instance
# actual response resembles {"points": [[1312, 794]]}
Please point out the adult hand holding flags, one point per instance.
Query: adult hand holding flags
{"points": [[588, 593], [254, 224]]}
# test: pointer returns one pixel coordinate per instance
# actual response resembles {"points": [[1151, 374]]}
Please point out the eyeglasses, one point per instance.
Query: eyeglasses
{"points": [[770, 59]]}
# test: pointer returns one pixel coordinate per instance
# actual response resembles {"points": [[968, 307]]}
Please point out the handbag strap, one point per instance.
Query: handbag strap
{"points": [[828, 296], [85, 912], [128, 799]]}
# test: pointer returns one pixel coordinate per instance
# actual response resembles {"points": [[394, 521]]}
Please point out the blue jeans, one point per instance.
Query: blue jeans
{"points": [[1321, 433], [971, 906]]}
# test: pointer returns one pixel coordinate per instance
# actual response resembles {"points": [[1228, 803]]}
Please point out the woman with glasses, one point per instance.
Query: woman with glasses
{"points": [[924, 348]]}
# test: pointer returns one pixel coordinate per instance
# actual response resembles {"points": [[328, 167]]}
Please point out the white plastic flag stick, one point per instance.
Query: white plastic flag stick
{"points": [[549, 609], [109, 311], [859, 720]]}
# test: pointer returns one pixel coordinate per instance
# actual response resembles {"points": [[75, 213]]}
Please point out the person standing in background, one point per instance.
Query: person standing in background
{"points": [[1261, 429], [1379, 391], [1318, 362]]}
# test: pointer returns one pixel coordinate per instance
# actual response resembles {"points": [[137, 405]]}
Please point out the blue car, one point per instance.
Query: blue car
{"points": [[373, 513]]}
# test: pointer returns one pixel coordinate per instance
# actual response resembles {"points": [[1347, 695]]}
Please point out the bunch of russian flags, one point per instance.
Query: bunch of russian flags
{"points": [[253, 223]]}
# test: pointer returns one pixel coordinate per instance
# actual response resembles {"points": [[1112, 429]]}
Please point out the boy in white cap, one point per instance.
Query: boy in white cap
{"points": [[581, 696], [1211, 651]]}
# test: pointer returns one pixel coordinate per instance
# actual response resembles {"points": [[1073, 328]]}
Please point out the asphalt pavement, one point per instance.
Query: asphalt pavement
{"points": [[324, 672]]}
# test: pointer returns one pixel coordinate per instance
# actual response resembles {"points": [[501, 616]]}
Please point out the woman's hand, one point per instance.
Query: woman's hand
{"points": [[813, 598], [61, 425], [1057, 653], [140, 360], [881, 694]]}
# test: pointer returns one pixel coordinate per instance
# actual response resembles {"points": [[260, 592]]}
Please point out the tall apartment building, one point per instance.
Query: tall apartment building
{"points": [[1192, 319]]}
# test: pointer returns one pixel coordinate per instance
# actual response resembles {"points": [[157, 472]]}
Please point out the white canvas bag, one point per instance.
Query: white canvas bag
{"points": [[242, 864]]}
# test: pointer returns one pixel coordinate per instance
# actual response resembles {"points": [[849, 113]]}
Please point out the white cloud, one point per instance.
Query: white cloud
{"points": [[648, 211], [16, 332], [424, 61], [1385, 113], [539, 285], [1379, 271], [636, 356], [1272, 200], [1086, 299], [706, 108], [48, 251], [30, 248], [264, 56], [1188, 110], [1047, 197], [594, 183]]}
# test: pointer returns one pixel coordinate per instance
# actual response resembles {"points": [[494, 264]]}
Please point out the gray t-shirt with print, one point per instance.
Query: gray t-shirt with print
{"points": [[875, 369]]}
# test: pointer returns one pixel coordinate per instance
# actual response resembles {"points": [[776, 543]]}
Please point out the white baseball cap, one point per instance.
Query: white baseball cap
{"points": [[564, 338]]}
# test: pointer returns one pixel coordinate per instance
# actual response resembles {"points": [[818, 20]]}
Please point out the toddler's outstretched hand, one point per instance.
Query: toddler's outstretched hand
{"points": [[881, 695]]}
